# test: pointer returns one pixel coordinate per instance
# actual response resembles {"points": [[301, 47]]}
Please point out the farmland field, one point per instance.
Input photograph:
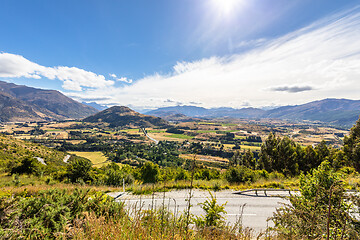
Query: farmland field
{"points": [[97, 158]]}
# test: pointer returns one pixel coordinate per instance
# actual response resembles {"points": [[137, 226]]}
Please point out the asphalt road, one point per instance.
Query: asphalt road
{"points": [[255, 212]]}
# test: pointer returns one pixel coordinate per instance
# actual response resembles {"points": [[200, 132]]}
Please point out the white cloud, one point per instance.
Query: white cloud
{"points": [[73, 78], [121, 79], [323, 59]]}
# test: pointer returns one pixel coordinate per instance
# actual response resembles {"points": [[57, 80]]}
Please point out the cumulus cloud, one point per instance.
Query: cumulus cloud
{"points": [[15, 66], [294, 89], [121, 79], [324, 56]]}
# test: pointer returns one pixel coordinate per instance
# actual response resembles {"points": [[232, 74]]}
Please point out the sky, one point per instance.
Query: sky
{"points": [[147, 54]]}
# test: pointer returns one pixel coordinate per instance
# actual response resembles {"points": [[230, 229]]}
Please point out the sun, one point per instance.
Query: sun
{"points": [[226, 6]]}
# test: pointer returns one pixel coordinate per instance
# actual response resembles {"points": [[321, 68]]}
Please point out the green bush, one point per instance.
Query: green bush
{"points": [[149, 172], [28, 165], [79, 169], [240, 174], [49, 214], [322, 210], [213, 216]]}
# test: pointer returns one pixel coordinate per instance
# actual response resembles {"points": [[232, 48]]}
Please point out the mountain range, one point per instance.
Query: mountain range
{"points": [[337, 112], [19, 103]]}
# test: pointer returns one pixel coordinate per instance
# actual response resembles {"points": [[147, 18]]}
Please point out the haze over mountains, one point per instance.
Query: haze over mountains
{"points": [[338, 112], [22, 103]]}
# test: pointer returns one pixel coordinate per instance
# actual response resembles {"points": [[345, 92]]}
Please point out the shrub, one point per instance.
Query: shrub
{"points": [[28, 165], [213, 217], [50, 214], [240, 174], [79, 169], [322, 210], [149, 172]]}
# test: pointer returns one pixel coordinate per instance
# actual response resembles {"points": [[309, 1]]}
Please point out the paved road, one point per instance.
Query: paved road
{"points": [[147, 135], [255, 212]]}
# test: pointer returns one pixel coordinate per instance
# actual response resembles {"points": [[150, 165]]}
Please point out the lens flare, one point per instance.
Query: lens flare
{"points": [[226, 6]]}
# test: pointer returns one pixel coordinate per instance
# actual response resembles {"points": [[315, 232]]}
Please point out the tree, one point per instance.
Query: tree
{"points": [[79, 169], [248, 159], [352, 146], [149, 172], [280, 154]]}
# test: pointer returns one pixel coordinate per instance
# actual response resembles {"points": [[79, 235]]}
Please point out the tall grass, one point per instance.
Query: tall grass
{"points": [[85, 214]]}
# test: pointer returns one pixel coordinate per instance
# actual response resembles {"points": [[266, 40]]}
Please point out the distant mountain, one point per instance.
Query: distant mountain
{"points": [[340, 112], [22, 103], [337, 112], [119, 116], [95, 105], [192, 111], [178, 117]]}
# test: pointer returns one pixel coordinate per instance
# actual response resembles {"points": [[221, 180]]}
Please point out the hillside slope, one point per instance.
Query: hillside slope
{"points": [[16, 110], [119, 116], [13, 150], [32, 104]]}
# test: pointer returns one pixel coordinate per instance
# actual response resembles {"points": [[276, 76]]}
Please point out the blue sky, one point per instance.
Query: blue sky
{"points": [[211, 53]]}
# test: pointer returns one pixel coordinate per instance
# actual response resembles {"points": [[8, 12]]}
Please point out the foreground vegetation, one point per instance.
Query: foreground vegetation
{"points": [[322, 210], [45, 191]]}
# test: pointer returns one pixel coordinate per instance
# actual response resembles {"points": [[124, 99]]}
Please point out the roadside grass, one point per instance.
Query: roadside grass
{"points": [[34, 184], [215, 185], [40, 186], [97, 158]]}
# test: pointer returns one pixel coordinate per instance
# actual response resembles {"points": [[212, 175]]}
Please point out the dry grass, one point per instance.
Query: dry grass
{"points": [[151, 224], [40, 187], [98, 159]]}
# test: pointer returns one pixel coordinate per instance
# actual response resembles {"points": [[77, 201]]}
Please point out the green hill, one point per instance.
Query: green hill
{"points": [[12, 151]]}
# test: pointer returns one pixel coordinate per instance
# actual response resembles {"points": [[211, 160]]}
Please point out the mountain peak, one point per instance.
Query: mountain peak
{"points": [[119, 116]]}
